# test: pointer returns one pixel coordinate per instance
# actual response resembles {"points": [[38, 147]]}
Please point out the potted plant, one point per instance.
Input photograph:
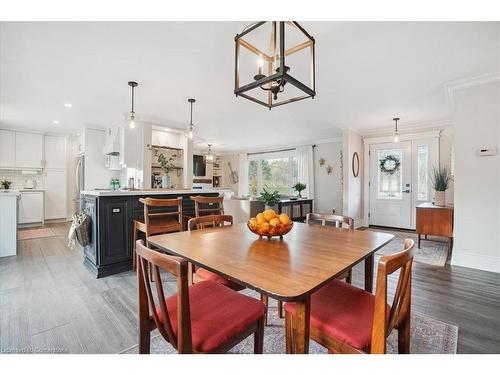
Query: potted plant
{"points": [[5, 184], [440, 180], [299, 187], [270, 199], [167, 165]]}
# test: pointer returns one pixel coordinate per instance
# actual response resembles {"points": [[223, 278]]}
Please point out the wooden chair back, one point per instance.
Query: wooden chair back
{"points": [[178, 267], [399, 314], [208, 205], [209, 220], [155, 217], [337, 220]]}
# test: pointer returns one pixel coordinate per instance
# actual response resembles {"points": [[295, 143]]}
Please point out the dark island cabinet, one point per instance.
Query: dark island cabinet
{"points": [[110, 250]]}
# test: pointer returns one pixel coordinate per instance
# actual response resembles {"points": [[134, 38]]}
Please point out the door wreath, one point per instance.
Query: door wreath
{"points": [[390, 164]]}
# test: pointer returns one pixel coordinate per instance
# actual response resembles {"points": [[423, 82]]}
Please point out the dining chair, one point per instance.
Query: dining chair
{"points": [[202, 274], [208, 205], [188, 320], [328, 219], [346, 319], [158, 222]]}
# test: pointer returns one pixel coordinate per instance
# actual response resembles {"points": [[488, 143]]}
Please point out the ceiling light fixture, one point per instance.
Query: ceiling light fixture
{"points": [[131, 119], [209, 157], [68, 105], [56, 122], [396, 133], [190, 128], [271, 59]]}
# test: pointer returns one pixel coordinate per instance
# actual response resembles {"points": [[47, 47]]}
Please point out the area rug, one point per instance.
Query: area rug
{"points": [[428, 336], [433, 250], [30, 234]]}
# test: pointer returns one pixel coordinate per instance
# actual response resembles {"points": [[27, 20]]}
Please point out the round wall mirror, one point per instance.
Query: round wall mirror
{"points": [[355, 164]]}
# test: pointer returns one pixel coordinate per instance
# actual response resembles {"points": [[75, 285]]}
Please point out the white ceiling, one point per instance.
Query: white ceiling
{"points": [[367, 72]]}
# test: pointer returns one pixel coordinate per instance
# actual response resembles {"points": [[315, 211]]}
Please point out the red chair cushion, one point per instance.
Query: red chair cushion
{"points": [[207, 275], [342, 311], [217, 314]]}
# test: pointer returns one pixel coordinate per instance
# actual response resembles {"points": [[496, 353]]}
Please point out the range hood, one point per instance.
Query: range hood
{"points": [[112, 145]]}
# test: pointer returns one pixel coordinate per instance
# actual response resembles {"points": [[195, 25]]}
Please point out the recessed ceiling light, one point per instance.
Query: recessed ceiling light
{"points": [[56, 122], [68, 105]]}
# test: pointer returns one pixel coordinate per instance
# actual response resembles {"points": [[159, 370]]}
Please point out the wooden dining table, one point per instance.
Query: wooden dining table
{"points": [[288, 269]]}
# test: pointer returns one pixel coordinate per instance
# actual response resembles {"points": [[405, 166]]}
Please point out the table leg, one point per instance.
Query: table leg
{"points": [[418, 240], [369, 273], [144, 324], [302, 325]]}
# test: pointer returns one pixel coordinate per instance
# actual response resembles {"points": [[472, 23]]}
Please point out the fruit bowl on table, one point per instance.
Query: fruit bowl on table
{"points": [[269, 224]]}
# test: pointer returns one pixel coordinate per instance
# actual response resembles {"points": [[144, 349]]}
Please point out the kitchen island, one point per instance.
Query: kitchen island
{"points": [[8, 222], [112, 214]]}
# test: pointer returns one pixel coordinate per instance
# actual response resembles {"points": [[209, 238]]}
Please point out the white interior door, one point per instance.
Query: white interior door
{"points": [[390, 185]]}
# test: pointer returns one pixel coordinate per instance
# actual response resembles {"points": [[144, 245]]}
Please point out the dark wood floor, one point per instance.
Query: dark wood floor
{"points": [[49, 300]]}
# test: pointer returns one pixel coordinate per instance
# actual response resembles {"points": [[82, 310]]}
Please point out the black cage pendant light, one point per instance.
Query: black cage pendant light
{"points": [[283, 52], [131, 119]]}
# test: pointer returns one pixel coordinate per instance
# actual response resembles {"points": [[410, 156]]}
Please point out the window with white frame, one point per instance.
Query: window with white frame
{"points": [[272, 171]]}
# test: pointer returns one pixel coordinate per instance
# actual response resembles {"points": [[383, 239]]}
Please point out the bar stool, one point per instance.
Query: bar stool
{"points": [[158, 222]]}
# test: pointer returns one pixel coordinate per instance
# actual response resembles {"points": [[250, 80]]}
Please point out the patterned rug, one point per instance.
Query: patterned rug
{"points": [[30, 234], [433, 251], [428, 336]]}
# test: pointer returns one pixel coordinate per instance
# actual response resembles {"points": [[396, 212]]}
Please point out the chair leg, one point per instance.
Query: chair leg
{"points": [[404, 336], [348, 279], [289, 333], [134, 258], [265, 300], [258, 338], [280, 309]]}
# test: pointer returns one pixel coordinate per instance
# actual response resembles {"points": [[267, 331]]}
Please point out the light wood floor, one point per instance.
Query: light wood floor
{"points": [[49, 300]]}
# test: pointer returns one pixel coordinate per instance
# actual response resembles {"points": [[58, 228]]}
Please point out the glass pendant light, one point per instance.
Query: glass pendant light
{"points": [[190, 128], [396, 133], [209, 157], [131, 120]]}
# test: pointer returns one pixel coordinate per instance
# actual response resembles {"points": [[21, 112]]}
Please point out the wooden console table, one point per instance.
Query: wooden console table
{"points": [[436, 221], [287, 206]]}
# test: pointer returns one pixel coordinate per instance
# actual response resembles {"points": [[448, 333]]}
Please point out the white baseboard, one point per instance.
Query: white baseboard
{"points": [[474, 260]]}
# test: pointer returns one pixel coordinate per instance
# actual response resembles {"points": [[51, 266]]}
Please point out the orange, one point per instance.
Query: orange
{"points": [[275, 222], [284, 218], [269, 214]]}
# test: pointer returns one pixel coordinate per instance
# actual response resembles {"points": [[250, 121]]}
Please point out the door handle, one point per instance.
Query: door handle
{"points": [[408, 191]]}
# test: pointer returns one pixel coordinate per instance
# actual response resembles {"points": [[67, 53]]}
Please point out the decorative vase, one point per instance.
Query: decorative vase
{"points": [[439, 198], [165, 181]]}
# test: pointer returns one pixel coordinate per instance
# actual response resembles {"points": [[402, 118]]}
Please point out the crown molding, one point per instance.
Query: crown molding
{"points": [[452, 86], [412, 127]]}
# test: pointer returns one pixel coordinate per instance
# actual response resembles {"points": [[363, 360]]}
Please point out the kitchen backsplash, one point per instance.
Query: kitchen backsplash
{"points": [[18, 178]]}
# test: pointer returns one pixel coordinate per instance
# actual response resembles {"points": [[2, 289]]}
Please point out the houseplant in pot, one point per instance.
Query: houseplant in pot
{"points": [[270, 199], [5, 185], [299, 187], [440, 180]]}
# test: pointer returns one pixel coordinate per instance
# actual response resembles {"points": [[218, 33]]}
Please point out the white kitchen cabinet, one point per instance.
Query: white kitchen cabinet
{"points": [[29, 150], [31, 207], [55, 194], [55, 152], [7, 149]]}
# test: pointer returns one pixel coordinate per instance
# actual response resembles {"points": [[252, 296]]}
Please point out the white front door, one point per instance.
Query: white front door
{"points": [[390, 185]]}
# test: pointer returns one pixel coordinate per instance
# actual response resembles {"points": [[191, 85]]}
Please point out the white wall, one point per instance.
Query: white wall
{"points": [[352, 186], [328, 187], [477, 179], [226, 173]]}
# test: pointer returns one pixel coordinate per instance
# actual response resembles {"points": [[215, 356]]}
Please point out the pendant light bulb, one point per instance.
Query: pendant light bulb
{"points": [[396, 132], [131, 121], [190, 132]]}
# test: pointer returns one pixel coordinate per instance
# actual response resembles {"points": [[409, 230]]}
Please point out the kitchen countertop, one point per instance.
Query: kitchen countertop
{"points": [[108, 193], [38, 190], [7, 193]]}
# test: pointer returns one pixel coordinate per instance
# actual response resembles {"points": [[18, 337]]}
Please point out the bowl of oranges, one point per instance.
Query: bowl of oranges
{"points": [[270, 224]]}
